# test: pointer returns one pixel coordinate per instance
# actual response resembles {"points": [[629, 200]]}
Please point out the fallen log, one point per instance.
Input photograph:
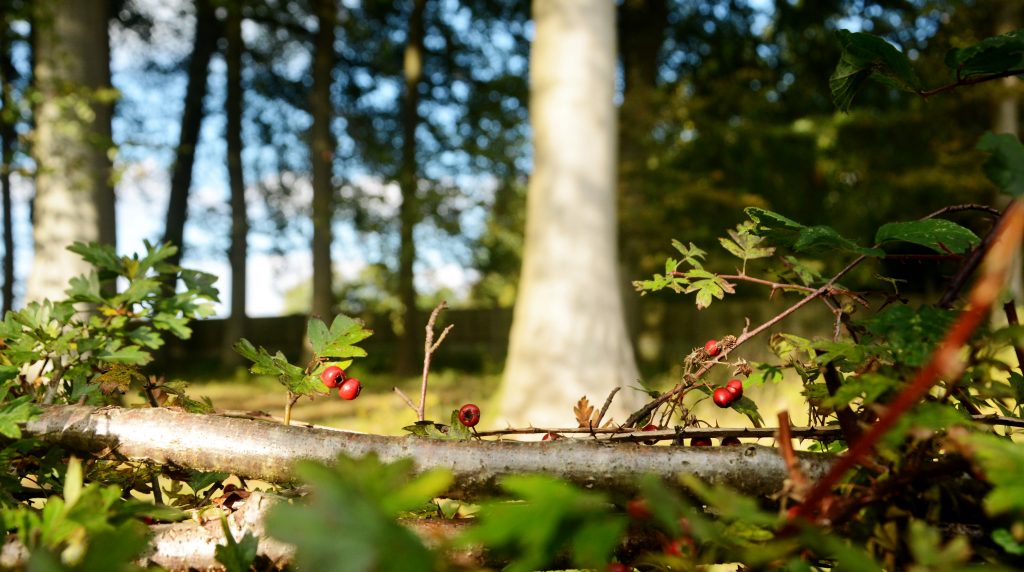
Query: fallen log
{"points": [[267, 450]]}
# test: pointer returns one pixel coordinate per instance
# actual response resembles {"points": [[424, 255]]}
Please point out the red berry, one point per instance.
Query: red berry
{"points": [[649, 427], [638, 509], [729, 441], [736, 387], [550, 437], [723, 397], [618, 567], [711, 347], [332, 376], [678, 546], [350, 389], [469, 415], [700, 442]]}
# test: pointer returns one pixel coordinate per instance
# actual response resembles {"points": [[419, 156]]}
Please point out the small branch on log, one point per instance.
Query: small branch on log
{"points": [[267, 451], [429, 347]]}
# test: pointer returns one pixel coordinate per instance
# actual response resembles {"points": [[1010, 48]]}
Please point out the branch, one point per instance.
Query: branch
{"points": [[267, 451], [926, 93]]}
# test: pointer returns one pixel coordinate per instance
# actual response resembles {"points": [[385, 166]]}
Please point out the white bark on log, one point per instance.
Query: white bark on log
{"points": [[267, 451]]}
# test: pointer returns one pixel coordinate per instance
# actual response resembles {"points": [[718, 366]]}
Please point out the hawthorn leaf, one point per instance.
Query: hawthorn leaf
{"points": [[994, 55], [866, 56], [938, 234], [773, 226], [13, 413], [1005, 165], [1002, 461], [236, 555], [824, 239], [707, 286]]}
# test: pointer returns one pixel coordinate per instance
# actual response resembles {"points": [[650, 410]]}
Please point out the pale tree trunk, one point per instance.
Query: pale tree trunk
{"points": [[74, 196], [8, 138], [408, 177], [204, 44], [234, 327], [322, 157], [568, 334], [1006, 119]]}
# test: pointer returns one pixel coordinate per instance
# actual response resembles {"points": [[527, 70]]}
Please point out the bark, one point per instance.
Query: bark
{"points": [[568, 335], [204, 44], [322, 158], [267, 450], [8, 138], [74, 196], [235, 324], [408, 178]]}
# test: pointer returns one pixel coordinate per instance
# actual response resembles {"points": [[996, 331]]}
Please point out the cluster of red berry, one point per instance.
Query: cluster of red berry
{"points": [[724, 396], [348, 388]]}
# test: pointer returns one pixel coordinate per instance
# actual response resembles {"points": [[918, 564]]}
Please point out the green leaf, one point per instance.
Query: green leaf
{"points": [[102, 256], [865, 56], [14, 413], [132, 355], [1002, 462], [236, 556], [773, 226], [200, 480], [707, 286], [1005, 166], [553, 516], [341, 526], [825, 239], [995, 55], [1005, 540], [938, 234], [745, 245], [86, 288], [909, 335]]}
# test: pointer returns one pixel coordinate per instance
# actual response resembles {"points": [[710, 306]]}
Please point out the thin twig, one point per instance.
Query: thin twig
{"points": [[945, 362], [288, 404], [968, 267], [429, 347], [964, 207], [406, 399], [607, 404], [926, 93]]}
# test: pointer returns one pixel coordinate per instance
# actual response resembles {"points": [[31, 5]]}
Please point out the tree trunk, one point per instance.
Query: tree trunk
{"points": [[8, 140], [408, 178], [322, 158], [235, 323], [568, 334], [203, 46], [267, 450], [74, 196], [641, 31]]}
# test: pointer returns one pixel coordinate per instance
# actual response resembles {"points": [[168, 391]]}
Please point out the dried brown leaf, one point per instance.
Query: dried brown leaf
{"points": [[584, 412]]}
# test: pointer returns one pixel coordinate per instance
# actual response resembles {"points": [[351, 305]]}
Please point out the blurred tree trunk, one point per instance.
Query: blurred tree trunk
{"points": [[642, 27], [235, 324], [74, 198], [8, 139], [203, 46], [408, 179], [568, 335], [1006, 119], [322, 147]]}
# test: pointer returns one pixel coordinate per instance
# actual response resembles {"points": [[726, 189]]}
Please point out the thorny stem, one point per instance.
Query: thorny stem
{"points": [[968, 267], [429, 347], [945, 362], [743, 337]]}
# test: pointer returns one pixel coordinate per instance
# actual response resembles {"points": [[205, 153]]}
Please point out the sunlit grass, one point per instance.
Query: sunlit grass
{"points": [[378, 409]]}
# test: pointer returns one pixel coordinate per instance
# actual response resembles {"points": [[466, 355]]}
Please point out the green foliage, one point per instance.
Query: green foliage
{"points": [[235, 555], [938, 234], [331, 346], [548, 516], [991, 56], [867, 57], [1005, 166], [348, 522], [122, 328]]}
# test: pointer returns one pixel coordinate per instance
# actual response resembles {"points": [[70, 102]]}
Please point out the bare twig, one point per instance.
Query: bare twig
{"points": [[429, 347], [406, 399], [607, 404], [945, 361], [288, 404], [926, 93]]}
